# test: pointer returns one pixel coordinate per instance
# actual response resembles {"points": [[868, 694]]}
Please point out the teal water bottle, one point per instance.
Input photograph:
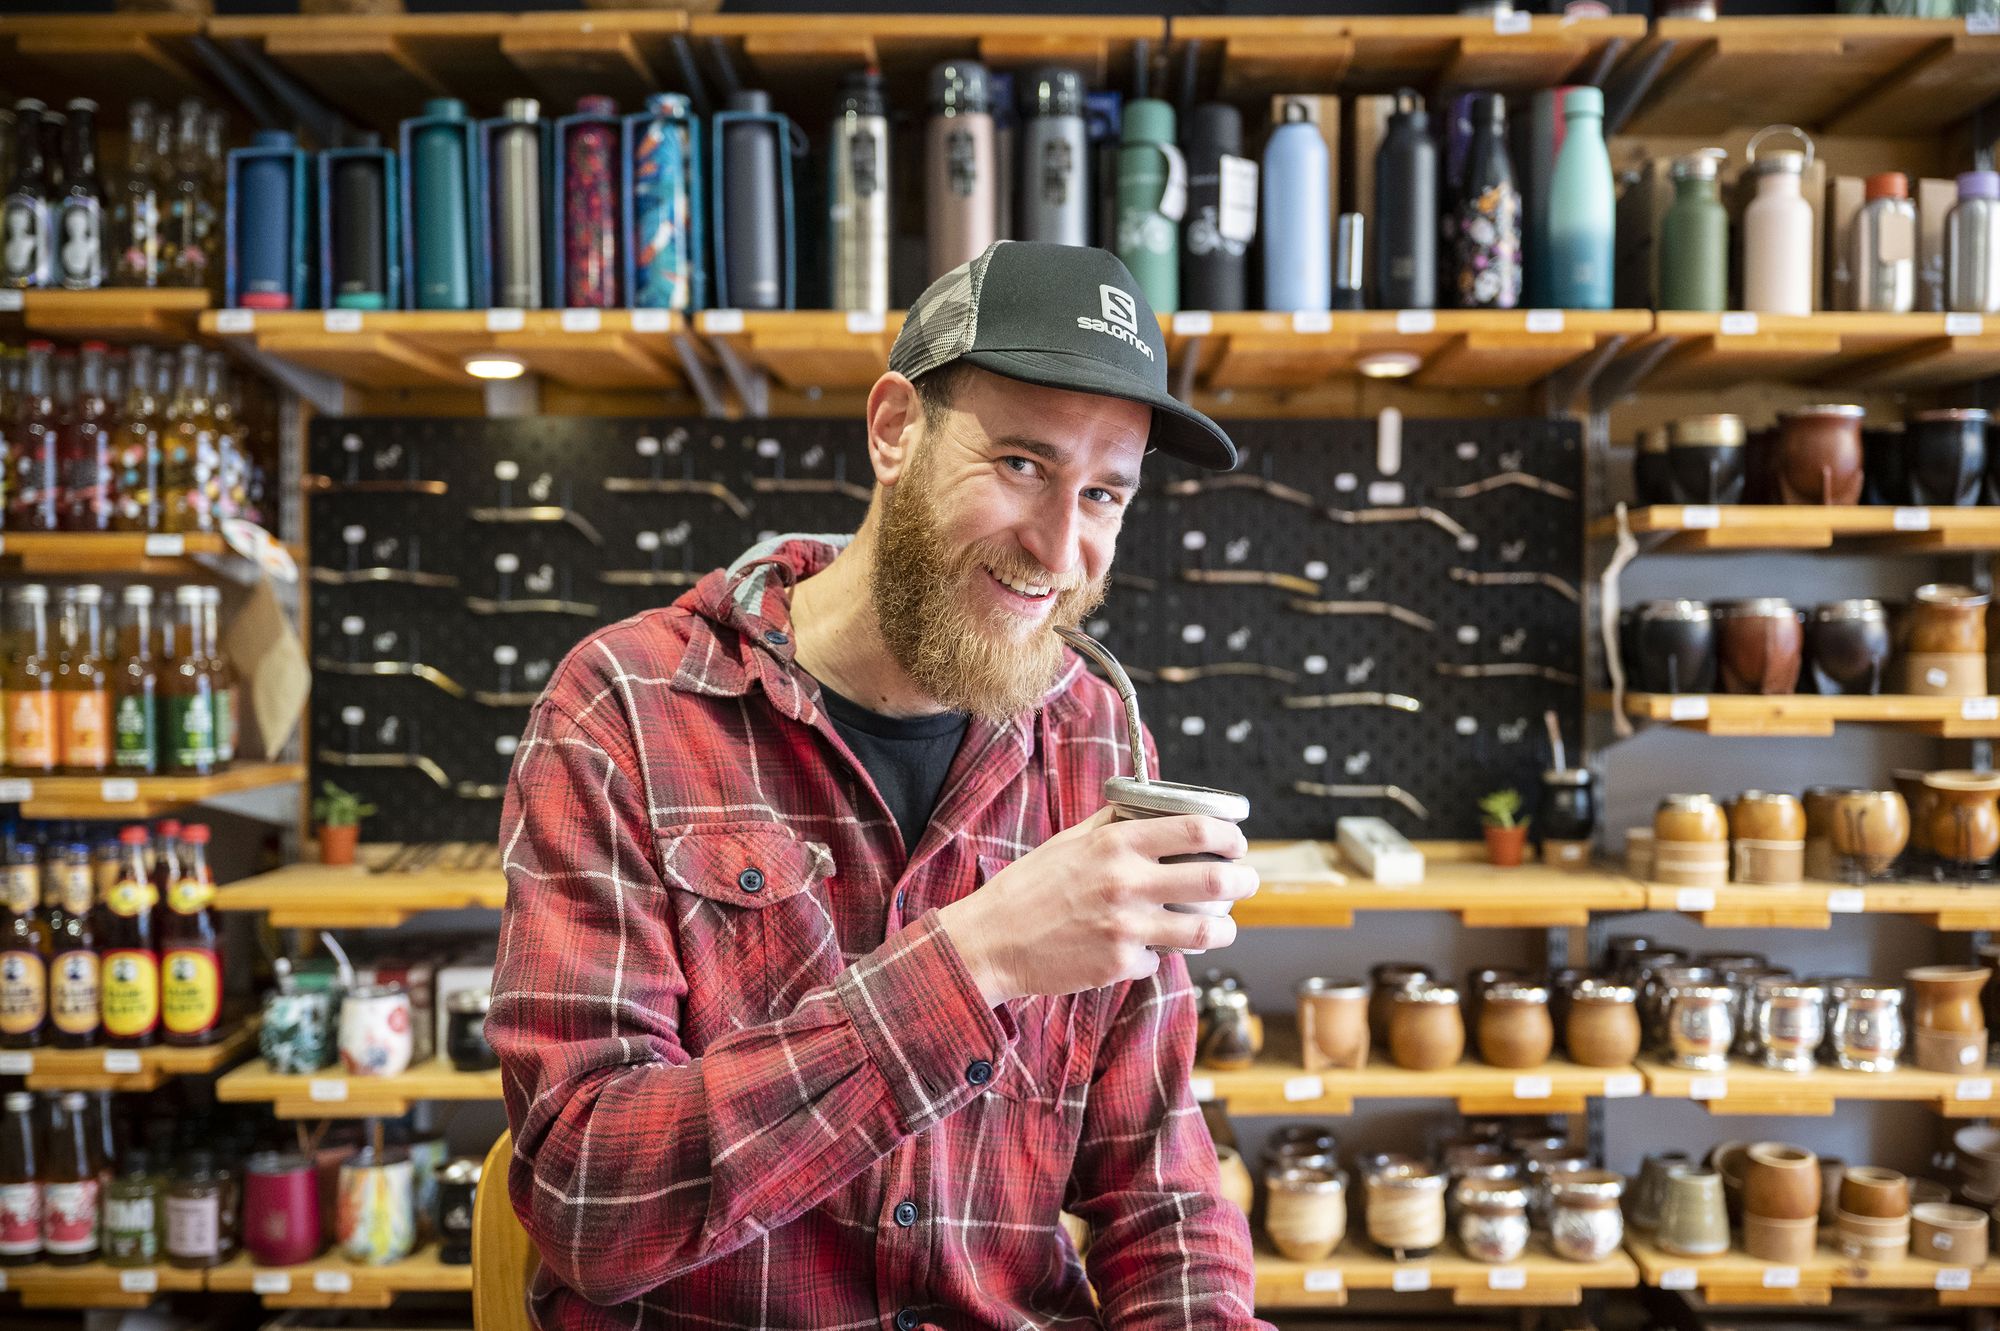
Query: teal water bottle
{"points": [[441, 198], [1152, 195], [1694, 236], [1581, 208]]}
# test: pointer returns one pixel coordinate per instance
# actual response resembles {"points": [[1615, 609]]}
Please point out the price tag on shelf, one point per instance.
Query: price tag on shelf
{"points": [[165, 545], [1688, 707], [1708, 1088], [652, 321], [1694, 899], [1980, 709], [327, 1090], [1193, 323], [1411, 322], [1953, 1277], [342, 321], [332, 1282], [118, 790], [11, 300], [1781, 1277], [1701, 517], [1973, 1088], [864, 321], [1304, 1088], [722, 321], [16, 1063], [1739, 323], [1545, 321], [121, 1061], [1410, 1280], [1679, 1277], [138, 1282], [1512, 24], [1533, 1088], [582, 321], [1846, 901], [15, 790], [506, 319], [1624, 1086], [1964, 325], [1202, 1087], [1911, 519], [1312, 321], [1507, 1277], [1324, 1282], [235, 321], [271, 1282], [1982, 25]]}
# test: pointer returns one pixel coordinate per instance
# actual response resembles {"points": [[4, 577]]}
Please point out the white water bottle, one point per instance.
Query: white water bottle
{"points": [[1778, 229]]}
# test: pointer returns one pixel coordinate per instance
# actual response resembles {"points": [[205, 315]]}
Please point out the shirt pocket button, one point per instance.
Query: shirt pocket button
{"points": [[751, 880]]}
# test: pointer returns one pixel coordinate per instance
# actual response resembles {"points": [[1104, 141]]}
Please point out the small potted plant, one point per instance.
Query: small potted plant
{"points": [[1506, 830], [339, 813]]}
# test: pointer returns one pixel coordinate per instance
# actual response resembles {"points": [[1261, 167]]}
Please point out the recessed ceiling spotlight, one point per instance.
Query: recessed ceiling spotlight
{"points": [[1389, 364], [494, 365]]}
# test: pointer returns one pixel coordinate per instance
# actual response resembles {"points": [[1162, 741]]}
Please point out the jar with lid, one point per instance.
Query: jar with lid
{"points": [[1603, 1026], [1514, 1026], [458, 1188], [1492, 1220], [194, 1212], [465, 1031], [1585, 1224], [1426, 1031]]}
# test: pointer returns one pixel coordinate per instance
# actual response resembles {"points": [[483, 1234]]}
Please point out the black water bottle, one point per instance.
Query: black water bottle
{"points": [[1406, 211], [753, 258], [1214, 265], [360, 259]]}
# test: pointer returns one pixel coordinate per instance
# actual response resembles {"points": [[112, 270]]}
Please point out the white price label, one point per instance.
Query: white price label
{"points": [[1701, 517], [1202, 1088], [165, 545], [332, 1282], [1953, 1277], [1982, 25], [235, 321], [1695, 899], [138, 1282], [119, 790], [1679, 1277], [1846, 901], [1312, 321], [11, 301], [1545, 321], [1739, 323], [121, 1060], [864, 321], [652, 321], [1193, 323], [1980, 709], [1412, 322], [1781, 1277], [1708, 1088], [582, 321], [16, 791], [1973, 1088], [271, 1282], [1410, 1280], [16, 1064], [1533, 1088], [327, 1090], [1507, 1277], [342, 321], [505, 319], [1324, 1282], [1624, 1086], [1512, 24], [1911, 519], [1964, 325], [722, 321], [1304, 1088], [1688, 707]]}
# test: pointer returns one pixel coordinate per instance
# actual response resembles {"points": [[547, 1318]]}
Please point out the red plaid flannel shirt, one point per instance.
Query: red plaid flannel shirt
{"points": [[750, 1080]]}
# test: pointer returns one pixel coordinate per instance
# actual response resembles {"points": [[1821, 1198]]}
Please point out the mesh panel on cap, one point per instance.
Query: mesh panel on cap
{"points": [[943, 323]]}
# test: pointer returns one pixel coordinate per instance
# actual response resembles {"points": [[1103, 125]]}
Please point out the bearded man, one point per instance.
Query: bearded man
{"points": [[826, 983]]}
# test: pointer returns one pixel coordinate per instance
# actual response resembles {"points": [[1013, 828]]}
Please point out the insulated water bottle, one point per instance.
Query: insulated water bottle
{"points": [[264, 223], [1152, 197], [1778, 228], [1485, 227], [1406, 212], [1581, 206], [590, 207], [753, 260], [1885, 246], [858, 196], [516, 148], [441, 198], [1053, 195], [1972, 246], [1694, 236], [663, 269], [359, 221], [959, 187], [1298, 216], [1221, 212]]}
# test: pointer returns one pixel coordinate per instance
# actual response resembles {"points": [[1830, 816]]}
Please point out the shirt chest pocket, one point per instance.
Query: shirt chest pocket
{"points": [[1050, 1065], [754, 930]]}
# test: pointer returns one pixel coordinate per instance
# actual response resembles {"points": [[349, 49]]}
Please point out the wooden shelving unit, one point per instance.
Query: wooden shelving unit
{"points": [[113, 59], [110, 554], [317, 896], [1840, 349], [1811, 715], [95, 1285], [1747, 1089], [1943, 906], [1875, 528], [1736, 1277], [331, 1281], [103, 798], [1538, 1279], [126, 1069], [1457, 879], [334, 1094], [110, 315]]}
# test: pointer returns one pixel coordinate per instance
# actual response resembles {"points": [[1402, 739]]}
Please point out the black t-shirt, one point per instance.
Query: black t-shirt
{"points": [[908, 757]]}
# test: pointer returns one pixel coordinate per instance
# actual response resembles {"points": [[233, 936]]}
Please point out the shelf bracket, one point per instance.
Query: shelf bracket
{"points": [[752, 385], [1183, 385], [1625, 374], [327, 394], [1563, 386], [695, 371], [1630, 91]]}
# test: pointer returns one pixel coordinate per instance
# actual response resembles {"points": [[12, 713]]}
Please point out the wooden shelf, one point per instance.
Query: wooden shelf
{"points": [[331, 1281], [1813, 905], [1880, 77], [95, 1285], [1538, 1279], [1457, 879], [1279, 1084], [1737, 1277], [1251, 58], [318, 896], [1748, 1089], [805, 349], [1803, 714], [334, 1094], [1840, 349], [109, 315], [99, 798], [114, 59], [128, 554], [126, 1069], [1809, 527]]}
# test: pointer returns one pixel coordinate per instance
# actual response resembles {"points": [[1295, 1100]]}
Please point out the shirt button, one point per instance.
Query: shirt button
{"points": [[899, 903], [906, 1214], [777, 638], [751, 880], [980, 1072], [907, 1320]]}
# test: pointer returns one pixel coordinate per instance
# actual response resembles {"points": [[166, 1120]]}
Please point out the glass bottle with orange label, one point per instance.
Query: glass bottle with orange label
{"points": [[187, 690], [24, 950], [75, 1020], [130, 958], [190, 948], [135, 687], [83, 698], [32, 733]]}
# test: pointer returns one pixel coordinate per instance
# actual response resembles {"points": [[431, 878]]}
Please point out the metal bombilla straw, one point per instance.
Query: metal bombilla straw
{"points": [[1129, 696]]}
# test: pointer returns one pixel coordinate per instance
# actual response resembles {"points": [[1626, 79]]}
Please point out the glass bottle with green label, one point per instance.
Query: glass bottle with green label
{"points": [[135, 685], [132, 1212], [187, 691]]}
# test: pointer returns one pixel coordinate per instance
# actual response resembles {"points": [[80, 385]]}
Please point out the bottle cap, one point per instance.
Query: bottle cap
{"points": [[521, 108], [1488, 107], [1888, 185], [273, 138], [959, 87], [195, 834], [1215, 127], [596, 104], [861, 93], [1583, 101], [1148, 120], [1052, 90], [133, 836], [1701, 164], [444, 108], [754, 100], [1979, 185], [169, 827]]}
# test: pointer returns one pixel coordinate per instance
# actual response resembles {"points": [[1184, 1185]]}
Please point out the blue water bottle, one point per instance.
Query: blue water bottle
{"points": [[264, 222], [1581, 208], [441, 201], [1297, 215]]}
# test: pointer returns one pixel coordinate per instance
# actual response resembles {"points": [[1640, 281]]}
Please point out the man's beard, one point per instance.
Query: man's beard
{"points": [[989, 663]]}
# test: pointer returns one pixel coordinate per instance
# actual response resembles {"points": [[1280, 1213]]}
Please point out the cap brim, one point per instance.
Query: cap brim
{"points": [[1178, 429]]}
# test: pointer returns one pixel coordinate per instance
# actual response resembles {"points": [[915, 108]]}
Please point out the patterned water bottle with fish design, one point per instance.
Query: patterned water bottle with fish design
{"points": [[663, 267]]}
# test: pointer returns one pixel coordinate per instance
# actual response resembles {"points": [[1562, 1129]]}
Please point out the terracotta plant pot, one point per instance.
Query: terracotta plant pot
{"points": [[1505, 845], [1946, 998], [1780, 1182], [337, 844]]}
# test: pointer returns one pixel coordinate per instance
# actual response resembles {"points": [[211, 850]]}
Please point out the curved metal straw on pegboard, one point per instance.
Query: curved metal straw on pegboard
{"points": [[1127, 695]]}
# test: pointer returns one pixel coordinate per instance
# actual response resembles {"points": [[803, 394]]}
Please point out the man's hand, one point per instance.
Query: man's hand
{"points": [[1085, 908]]}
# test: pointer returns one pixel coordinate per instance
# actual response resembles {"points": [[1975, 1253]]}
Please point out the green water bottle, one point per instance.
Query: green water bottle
{"points": [[1694, 237], [1152, 195]]}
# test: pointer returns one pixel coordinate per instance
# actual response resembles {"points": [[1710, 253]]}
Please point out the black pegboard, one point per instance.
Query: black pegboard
{"points": [[1232, 731]]}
